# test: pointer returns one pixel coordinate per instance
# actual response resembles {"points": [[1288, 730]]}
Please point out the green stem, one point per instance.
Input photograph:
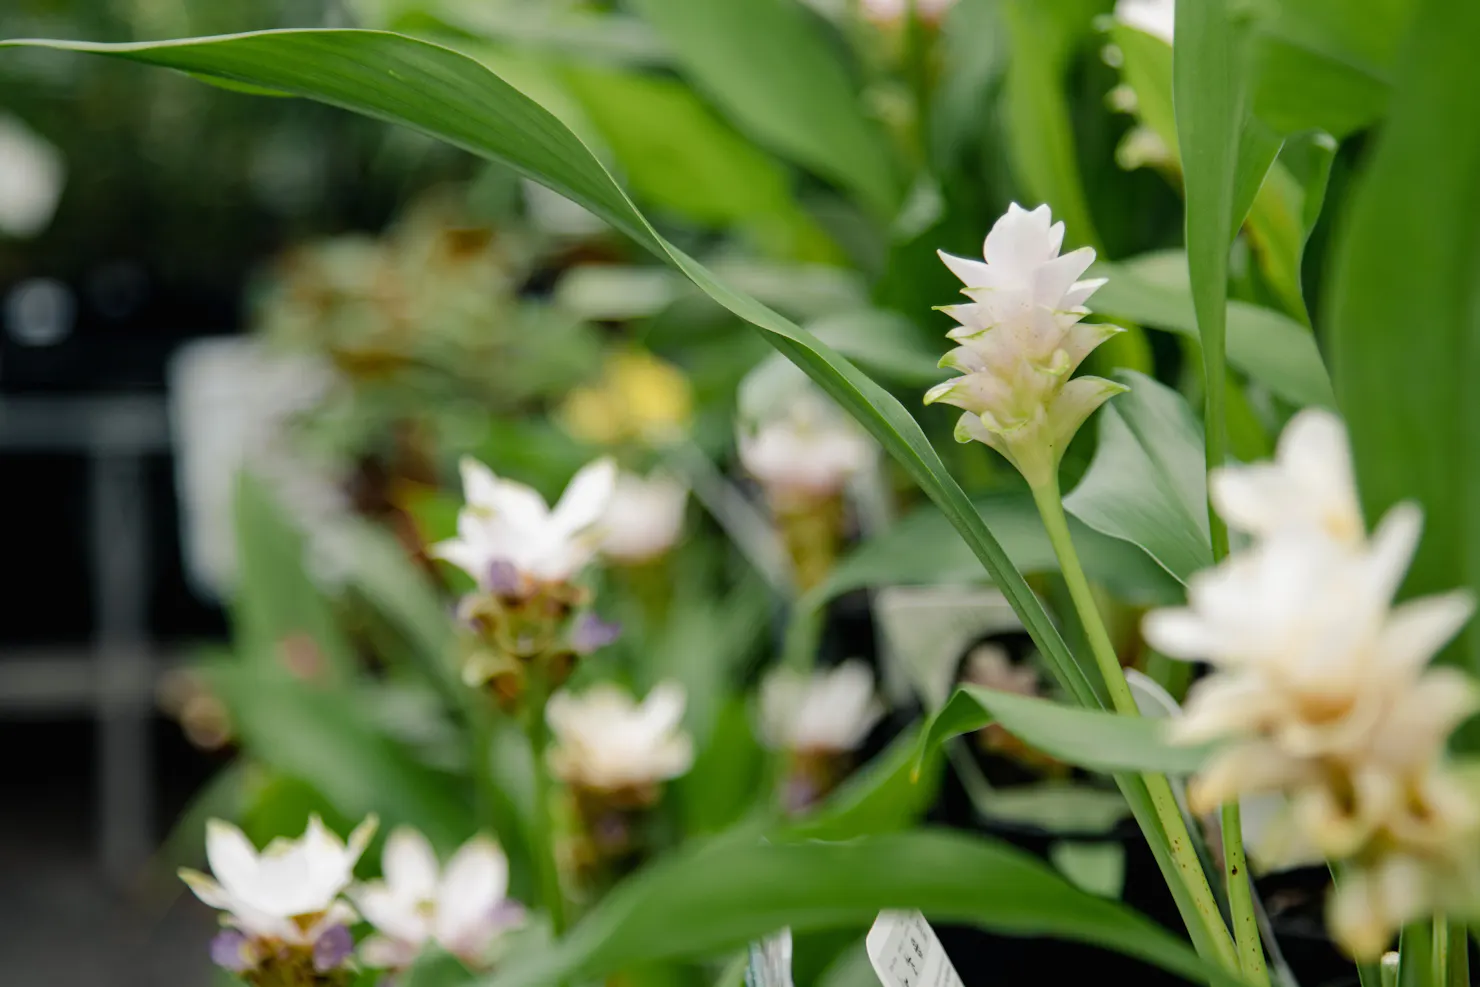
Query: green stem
{"points": [[1459, 955], [542, 838], [1168, 814], [1241, 897], [1416, 956], [1441, 952]]}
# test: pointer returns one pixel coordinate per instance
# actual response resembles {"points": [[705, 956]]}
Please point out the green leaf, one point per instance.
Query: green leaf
{"points": [[1098, 868], [445, 94], [1045, 34], [1147, 483], [435, 968], [327, 740], [1404, 325], [1087, 738], [764, 63], [889, 793], [1057, 807], [1225, 156], [682, 159], [1322, 66], [922, 547], [1273, 349], [275, 599], [883, 342], [749, 891]]}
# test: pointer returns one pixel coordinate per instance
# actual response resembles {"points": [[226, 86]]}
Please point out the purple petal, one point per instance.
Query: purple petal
{"points": [[232, 950], [591, 633], [507, 914], [332, 948], [502, 578]]}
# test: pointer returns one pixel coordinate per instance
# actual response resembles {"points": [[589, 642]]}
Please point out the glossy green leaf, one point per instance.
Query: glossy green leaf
{"points": [[748, 891], [883, 342], [922, 547], [275, 599], [447, 95], [326, 739], [1271, 348], [764, 63], [1087, 738], [1045, 34], [1403, 321], [1147, 483]]}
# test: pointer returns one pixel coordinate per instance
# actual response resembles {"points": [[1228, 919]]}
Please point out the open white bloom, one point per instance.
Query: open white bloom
{"points": [[644, 518], [606, 742], [1323, 689], [1310, 484], [828, 712], [812, 450], [289, 893], [463, 908], [507, 533], [1021, 341], [1157, 18]]}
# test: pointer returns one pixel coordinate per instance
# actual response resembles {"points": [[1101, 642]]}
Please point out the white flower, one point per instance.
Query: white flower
{"points": [[810, 449], [463, 909], [1309, 485], [290, 891], [507, 528], [828, 712], [893, 11], [644, 518], [1157, 18], [1021, 340], [34, 173], [1322, 685], [604, 741]]}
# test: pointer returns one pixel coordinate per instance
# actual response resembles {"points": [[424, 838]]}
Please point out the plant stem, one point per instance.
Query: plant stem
{"points": [[542, 838], [1241, 897], [1458, 972], [1168, 814]]}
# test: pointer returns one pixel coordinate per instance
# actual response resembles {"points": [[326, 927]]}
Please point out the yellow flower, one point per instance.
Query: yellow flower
{"points": [[639, 398]]}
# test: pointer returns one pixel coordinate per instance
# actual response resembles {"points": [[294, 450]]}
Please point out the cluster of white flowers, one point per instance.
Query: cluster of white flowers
{"points": [[1021, 338], [607, 743], [286, 916], [510, 541], [1323, 686]]}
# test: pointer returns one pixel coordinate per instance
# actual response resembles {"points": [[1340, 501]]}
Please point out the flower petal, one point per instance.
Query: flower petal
{"points": [[232, 857], [410, 864]]}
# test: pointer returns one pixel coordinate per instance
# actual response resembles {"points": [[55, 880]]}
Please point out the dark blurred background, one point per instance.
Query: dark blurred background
{"points": [[135, 207]]}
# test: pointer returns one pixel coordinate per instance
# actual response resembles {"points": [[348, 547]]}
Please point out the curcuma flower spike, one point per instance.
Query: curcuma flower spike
{"points": [[1322, 692], [1021, 339], [463, 908], [282, 907]]}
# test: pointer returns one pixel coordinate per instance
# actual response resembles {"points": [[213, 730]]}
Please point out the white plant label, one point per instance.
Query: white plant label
{"points": [[905, 952]]}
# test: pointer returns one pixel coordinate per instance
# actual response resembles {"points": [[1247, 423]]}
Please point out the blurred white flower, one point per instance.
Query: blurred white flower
{"points": [[644, 518], [507, 535], [1021, 340], [1309, 485], [32, 173], [463, 908], [893, 11], [606, 742], [828, 712], [1321, 685], [1157, 18], [793, 438], [286, 895]]}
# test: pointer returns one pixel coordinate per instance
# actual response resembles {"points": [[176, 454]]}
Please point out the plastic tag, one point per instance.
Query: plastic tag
{"points": [[905, 952]]}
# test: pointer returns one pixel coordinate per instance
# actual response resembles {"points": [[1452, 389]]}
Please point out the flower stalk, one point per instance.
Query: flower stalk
{"points": [[542, 839]]}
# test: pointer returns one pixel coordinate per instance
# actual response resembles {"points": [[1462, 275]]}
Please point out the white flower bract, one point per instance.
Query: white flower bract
{"points": [[805, 447], [508, 523], [604, 741], [1021, 339], [644, 518], [1157, 18], [290, 891], [463, 908], [827, 712], [1322, 691]]}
